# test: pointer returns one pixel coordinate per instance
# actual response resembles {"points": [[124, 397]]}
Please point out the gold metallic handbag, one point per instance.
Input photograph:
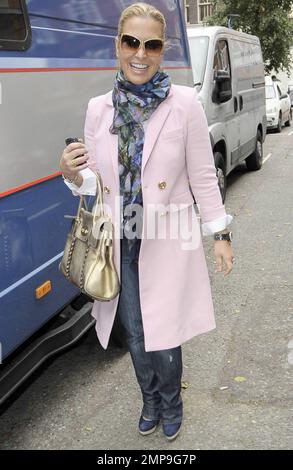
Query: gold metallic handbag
{"points": [[88, 259]]}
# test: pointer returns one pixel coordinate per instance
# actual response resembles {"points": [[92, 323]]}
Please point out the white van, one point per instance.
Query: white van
{"points": [[228, 72]]}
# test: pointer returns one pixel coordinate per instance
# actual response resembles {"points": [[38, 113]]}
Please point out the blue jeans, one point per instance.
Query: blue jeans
{"points": [[158, 372]]}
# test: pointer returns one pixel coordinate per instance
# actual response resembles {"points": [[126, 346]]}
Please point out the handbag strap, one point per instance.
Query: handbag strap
{"points": [[99, 202], [99, 197]]}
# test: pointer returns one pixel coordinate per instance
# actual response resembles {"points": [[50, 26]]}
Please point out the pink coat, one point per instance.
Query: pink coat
{"points": [[175, 293]]}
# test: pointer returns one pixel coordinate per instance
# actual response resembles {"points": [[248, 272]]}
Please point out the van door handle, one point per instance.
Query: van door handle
{"points": [[235, 105], [240, 102]]}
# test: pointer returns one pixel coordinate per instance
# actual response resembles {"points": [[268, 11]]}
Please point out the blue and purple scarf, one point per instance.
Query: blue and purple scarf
{"points": [[134, 104]]}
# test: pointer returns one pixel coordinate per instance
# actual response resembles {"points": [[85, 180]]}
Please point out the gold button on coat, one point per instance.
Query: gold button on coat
{"points": [[107, 189], [162, 184]]}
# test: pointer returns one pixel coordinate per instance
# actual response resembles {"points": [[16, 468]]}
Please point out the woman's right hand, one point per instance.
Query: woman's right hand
{"points": [[74, 159]]}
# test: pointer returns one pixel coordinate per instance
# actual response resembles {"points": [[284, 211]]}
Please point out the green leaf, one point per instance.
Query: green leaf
{"points": [[239, 378], [267, 19]]}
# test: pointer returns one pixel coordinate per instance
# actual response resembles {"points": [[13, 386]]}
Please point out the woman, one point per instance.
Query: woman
{"points": [[149, 140]]}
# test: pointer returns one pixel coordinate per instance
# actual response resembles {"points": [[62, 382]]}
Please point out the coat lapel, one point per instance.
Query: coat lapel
{"points": [[155, 124], [112, 138]]}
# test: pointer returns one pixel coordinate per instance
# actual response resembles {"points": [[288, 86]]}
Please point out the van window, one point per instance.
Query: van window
{"points": [[15, 31], [221, 57], [222, 62], [198, 52]]}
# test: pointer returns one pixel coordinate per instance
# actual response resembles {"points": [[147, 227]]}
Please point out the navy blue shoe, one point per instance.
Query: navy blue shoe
{"points": [[171, 431], [147, 426]]}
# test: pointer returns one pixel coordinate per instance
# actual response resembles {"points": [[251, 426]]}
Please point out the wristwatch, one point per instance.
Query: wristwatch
{"points": [[223, 236]]}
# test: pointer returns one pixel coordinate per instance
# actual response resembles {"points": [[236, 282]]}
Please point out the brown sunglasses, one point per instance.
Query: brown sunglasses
{"points": [[132, 44]]}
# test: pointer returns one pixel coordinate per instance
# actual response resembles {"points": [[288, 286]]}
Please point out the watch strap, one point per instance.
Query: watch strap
{"points": [[223, 236]]}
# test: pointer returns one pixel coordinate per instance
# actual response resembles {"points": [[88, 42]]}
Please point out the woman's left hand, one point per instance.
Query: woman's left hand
{"points": [[224, 256]]}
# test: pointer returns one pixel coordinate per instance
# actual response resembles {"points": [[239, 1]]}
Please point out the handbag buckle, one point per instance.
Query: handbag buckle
{"points": [[84, 230]]}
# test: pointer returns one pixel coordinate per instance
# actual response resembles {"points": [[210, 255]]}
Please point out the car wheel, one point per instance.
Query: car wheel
{"points": [[279, 126], [254, 161], [288, 123], [221, 173]]}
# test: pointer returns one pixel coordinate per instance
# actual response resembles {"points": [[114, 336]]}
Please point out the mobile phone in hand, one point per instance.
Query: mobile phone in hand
{"points": [[70, 140]]}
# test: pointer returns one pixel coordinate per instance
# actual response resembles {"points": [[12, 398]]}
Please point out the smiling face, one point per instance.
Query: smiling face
{"points": [[137, 65]]}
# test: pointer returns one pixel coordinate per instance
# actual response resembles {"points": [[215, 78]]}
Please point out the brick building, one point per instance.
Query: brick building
{"points": [[197, 10]]}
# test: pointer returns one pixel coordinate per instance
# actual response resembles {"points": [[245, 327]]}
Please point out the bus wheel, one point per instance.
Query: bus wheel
{"points": [[118, 335]]}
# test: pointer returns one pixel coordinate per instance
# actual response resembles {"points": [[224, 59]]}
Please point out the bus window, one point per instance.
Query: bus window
{"points": [[15, 33]]}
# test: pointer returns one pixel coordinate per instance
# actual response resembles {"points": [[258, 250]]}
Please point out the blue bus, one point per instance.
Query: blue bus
{"points": [[54, 56]]}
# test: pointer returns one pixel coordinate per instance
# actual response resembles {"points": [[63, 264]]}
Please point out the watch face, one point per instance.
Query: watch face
{"points": [[230, 236]]}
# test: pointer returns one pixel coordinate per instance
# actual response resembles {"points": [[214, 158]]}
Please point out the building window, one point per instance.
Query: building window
{"points": [[187, 11], [205, 9], [15, 33]]}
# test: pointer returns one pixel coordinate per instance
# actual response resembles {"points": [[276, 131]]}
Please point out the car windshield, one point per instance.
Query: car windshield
{"points": [[270, 92], [198, 52]]}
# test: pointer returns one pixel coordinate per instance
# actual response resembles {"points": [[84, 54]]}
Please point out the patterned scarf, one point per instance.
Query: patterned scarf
{"points": [[134, 104]]}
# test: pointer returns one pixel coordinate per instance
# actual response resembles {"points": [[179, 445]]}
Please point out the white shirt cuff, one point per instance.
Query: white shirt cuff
{"points": [[89, 184], [209, 228]]}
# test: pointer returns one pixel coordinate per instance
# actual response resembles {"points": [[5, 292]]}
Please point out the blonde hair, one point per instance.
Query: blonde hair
{"points": [[142, 9]]}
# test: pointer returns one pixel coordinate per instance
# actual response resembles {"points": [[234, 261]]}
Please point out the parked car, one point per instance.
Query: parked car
{"points": [[278, 105], [290, 93], [228, 72]]}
